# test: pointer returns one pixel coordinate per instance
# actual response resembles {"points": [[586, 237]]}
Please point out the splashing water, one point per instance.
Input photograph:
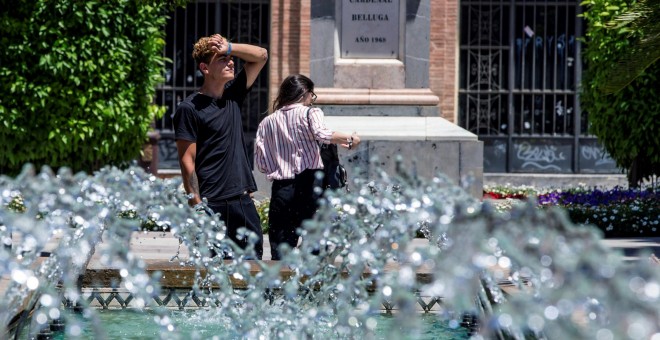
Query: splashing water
{"points": [[357, 254]]}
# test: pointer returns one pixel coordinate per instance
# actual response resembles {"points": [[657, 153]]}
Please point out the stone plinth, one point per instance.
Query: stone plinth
{"points": [[428, 146]]}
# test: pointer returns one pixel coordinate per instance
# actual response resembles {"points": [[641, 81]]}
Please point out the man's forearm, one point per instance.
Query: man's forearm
{"points": [[191, 185], [187, 151], [250, 53]]}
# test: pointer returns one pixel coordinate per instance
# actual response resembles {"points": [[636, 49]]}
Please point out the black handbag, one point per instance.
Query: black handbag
{"points": [[335, 175]]}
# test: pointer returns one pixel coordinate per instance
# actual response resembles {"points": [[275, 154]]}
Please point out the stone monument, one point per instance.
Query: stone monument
{"points": [[370, 64], [369, 61]]}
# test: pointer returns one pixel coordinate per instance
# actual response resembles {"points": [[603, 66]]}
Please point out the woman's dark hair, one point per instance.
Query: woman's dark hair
{"points": [[292, 89]]}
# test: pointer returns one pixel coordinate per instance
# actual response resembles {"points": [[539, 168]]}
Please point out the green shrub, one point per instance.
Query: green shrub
{"points": [[77, 81], [263, 207], [627, 122], [16, 204]]}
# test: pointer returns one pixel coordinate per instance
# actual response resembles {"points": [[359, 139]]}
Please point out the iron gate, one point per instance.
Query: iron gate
{"points": [[519, 72], [245, 21]]}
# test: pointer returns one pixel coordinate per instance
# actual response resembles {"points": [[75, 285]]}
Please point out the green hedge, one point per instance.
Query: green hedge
{"points": [[77, 80], [627, 122]]}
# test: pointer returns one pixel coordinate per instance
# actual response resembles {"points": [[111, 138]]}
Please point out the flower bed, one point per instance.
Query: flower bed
{"points": [[618, 212]]}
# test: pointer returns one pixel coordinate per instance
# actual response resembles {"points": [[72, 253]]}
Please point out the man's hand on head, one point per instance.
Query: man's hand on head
{"points": [[220, 46]]}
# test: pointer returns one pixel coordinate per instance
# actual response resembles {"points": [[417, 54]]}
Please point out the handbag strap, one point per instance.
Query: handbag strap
{"points": [[307, 115], [310, 126]]}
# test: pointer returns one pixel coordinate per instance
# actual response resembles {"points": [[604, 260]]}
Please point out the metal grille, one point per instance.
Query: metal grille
{"points": [[519, 70], [244, 21], [112, 298]]}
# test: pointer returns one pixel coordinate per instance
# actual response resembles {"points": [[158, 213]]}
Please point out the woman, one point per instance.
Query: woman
{"points": [[287, 151]]}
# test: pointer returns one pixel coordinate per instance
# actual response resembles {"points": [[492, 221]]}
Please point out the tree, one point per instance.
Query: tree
{"points": [[641, 16], [77, 80], [626, 121]]}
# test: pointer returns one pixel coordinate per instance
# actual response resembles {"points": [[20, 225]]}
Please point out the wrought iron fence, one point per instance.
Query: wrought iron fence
{"points": [[245, 21], [518, 87]]}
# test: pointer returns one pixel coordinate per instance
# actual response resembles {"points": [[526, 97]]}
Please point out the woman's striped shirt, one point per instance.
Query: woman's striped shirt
{"points": [[286, 142]]}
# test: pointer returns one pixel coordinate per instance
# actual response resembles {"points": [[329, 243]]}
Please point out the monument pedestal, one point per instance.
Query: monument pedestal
{"points": [[370, 65], [375, 96], [428, 146]]}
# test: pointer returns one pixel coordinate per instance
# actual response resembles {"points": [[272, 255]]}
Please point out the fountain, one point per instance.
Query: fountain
{"points": [[526, 273]]}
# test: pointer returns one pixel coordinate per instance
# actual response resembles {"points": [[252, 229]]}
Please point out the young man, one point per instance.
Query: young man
{"points": [[209, 136]]}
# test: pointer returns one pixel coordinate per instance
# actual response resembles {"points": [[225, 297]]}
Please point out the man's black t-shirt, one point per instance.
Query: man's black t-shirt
{"points": [[221, 163]]}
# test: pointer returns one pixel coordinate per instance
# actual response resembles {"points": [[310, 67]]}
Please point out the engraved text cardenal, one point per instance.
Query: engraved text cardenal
{"points": [[535, 155]]}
